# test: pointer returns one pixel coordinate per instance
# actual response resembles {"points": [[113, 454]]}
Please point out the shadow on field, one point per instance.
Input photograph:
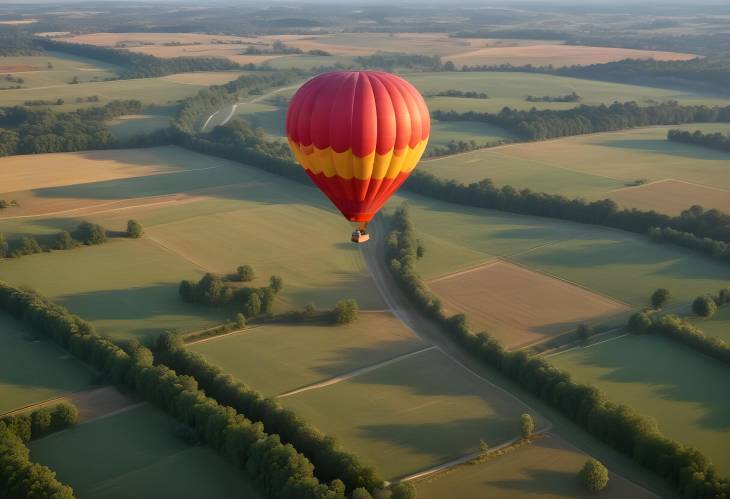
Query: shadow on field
{"points": [[442, 440], [670, 372], [542, 481], [658, 146], [347, 359]]}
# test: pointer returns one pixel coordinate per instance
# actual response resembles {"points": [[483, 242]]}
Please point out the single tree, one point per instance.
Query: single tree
{"points": [[276, 283], [583, 332], [134, 229], [64, 416], [639, 322], [253, 308], [245, 273], [594, 475], [660, 298], [346, 311], [3, 246], [240, 320], [483, 447], [309, 310], [64, 241], [402, 490], [29, 246], [704, 306], [40, 422], [89, 233], [527, 425]]}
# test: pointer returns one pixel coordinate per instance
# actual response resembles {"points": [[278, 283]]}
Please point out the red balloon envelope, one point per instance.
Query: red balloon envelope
{"points": [[358, 135]]}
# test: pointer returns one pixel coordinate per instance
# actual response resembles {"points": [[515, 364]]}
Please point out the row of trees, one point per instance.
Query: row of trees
{"points": [[41, 422], [715, 140], [213, 289], [278, 469], [619, 426], [711, 247], [330, 461], [459, 146], [26, 131], [134, 64], [678, 329], [20, 477], [468, 94], [545, 124], [571, 97]]}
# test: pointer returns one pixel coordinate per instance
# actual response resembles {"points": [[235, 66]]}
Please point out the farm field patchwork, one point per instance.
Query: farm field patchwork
{"points": [[545, 469], [276, 358], [52, 69], [511, 89], [660, 378], [34, 369], [602, 165], [411, 415], [141, 457], [519, 306], [200, 214]]}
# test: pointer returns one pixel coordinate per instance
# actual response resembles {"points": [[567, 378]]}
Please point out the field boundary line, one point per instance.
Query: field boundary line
{"points": [[173, 251], [115, 412], [688, 182], [218, 336], [555, 354], [356, 372]]}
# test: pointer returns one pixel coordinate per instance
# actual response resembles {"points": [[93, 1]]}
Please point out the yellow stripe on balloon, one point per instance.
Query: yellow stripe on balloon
{"points": [[347, 165]]}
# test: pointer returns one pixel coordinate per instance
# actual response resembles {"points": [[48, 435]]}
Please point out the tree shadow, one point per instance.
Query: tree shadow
{"points": [[659, 146]]}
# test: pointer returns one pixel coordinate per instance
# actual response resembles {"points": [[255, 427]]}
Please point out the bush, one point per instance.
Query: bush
{"points": [[704, 306], [594, 475], [64, 241], [90, 234], [64, 416], [402, 490], [134, 229], [639, 322], [245, 273], [660, 298], [345, 311], [527, 426]]}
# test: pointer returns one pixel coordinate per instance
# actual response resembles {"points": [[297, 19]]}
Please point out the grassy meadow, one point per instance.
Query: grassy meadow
{"points": [[276, 358], [546, 468], [140, 457], [52, 69], [659, 378], [200, 214], [411, 415], [34, 369], [603, 165]]}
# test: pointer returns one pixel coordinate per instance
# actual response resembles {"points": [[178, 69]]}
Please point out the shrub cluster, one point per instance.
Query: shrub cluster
{"points": [[278, 469], [41, 422], [571, 97], [330, 460], [617, 425], [20, 477]]}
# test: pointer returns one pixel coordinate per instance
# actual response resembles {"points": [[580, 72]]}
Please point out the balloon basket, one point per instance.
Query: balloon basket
{"points": [[360, 235]]}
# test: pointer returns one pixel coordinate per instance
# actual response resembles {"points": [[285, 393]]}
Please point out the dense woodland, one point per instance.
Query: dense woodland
{"points": [[617, 425], [715, 140], [547, 123]]}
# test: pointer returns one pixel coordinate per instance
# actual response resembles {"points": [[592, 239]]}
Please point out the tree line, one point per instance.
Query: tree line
{"points": [[545, 124], [468, 94], [330, 460], [571, 97], [459, 146], [27, 131], [278, 469], [619, 426], [41, 422], [711, 247], [715, 140], [134, 64]]}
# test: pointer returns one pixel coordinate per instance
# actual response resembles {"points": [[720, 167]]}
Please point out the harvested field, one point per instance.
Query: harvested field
{"points": [[275, 358], [672, 195], [546, 468], [17, 68], [412, 415], [519, 306]]}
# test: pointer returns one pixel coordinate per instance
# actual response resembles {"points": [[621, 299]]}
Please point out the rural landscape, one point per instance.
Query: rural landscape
{"points": [[528, 295]]}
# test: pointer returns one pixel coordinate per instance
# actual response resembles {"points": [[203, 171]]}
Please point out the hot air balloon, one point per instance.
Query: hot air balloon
{"points": [[358, 135]]}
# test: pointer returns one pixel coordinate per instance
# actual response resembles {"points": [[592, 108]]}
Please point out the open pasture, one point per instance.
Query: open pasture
{"points": [[547, 468], [660, 378], [519, 306], [511, 89], [34, 369], [603, 165], [412, 415], [51, 70], [623, 266], [200, 214], [136, 453], [276, 358]]}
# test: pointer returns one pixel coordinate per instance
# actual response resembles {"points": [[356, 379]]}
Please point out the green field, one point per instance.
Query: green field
{"points": [[126, 127], [34, 369], [35, 71], [411, 415], [718, 325], [136, 454], [660, 378], [622, 265], [281, 357], [595, 166], [305, 61], [545, 469], [229, 215], [511, 89]]}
